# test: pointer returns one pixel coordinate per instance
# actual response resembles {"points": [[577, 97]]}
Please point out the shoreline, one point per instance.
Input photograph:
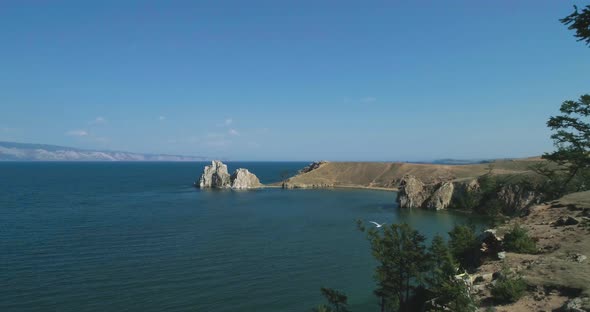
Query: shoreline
{"points": [[359, 187]]}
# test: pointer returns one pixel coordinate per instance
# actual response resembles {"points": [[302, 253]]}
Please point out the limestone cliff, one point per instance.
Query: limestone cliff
{"points": [[516, 197], [441, 197], [244, 179], [414, 193], [217, 176]]}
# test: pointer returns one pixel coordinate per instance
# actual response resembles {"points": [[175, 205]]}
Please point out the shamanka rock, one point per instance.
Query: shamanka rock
{"points": [[244, 179], [216, 176]]}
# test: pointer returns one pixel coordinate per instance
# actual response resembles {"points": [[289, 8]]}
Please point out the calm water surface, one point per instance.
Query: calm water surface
{"points": [[139, 237]]}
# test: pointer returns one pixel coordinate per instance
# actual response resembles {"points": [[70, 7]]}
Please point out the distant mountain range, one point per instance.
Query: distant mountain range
{"points": [[12, 151]]}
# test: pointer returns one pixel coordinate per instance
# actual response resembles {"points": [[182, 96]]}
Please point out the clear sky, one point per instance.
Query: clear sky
{"points": [[289, 80]]}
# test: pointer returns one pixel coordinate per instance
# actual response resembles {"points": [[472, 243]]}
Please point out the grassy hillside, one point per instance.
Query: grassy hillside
{"points": [[383, 174]]}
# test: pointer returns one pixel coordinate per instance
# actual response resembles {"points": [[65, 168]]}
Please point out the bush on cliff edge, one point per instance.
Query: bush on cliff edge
{"points": [[518, 240]]}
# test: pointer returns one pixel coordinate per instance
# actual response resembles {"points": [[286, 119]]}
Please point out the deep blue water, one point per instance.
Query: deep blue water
{"points": [[139, 237]]}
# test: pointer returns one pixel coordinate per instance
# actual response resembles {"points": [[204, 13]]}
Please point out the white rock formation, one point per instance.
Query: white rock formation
{"points": [[441, 198], [215, 176], [244, 179], [412, 192]]}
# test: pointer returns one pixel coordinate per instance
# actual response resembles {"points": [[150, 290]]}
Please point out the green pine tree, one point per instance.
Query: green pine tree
{"points": [[464, 246], [338, 301], [580, 22], [443, 267], [401, 253]]}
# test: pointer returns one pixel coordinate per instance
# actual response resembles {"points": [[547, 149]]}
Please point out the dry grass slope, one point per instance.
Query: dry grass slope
{"points": [[387, 175]]}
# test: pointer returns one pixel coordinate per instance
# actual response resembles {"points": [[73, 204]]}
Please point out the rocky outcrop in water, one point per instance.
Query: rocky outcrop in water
{"points": [[244, 179], [441, 197], [217, 176], [412, 192]]}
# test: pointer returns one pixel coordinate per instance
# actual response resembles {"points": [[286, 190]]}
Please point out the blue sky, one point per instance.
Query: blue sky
{"points": [[289, 80]]}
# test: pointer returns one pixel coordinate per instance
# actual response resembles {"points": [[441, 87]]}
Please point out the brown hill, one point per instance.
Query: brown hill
{"points": [[387, 175]]}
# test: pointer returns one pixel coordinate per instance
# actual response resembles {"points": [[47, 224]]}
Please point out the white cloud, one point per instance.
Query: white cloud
{"points": [[160, 118], [98, 121], [79, 133], [228, 121], [368, 99], [233, 132]]}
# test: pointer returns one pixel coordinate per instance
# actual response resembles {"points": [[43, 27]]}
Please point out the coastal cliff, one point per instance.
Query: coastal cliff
{"points": [[430, 186], [217, 176], [465, 194]]}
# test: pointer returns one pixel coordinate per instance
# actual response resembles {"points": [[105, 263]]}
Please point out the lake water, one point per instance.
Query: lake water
{"points": [[139, 237]]}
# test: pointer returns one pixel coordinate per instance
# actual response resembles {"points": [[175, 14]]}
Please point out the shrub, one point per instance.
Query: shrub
{"points": [[518, 240], [508, 290]]}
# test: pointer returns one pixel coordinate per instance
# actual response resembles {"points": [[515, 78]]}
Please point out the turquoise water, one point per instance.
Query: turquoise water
{"points": [[139, 237]]}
